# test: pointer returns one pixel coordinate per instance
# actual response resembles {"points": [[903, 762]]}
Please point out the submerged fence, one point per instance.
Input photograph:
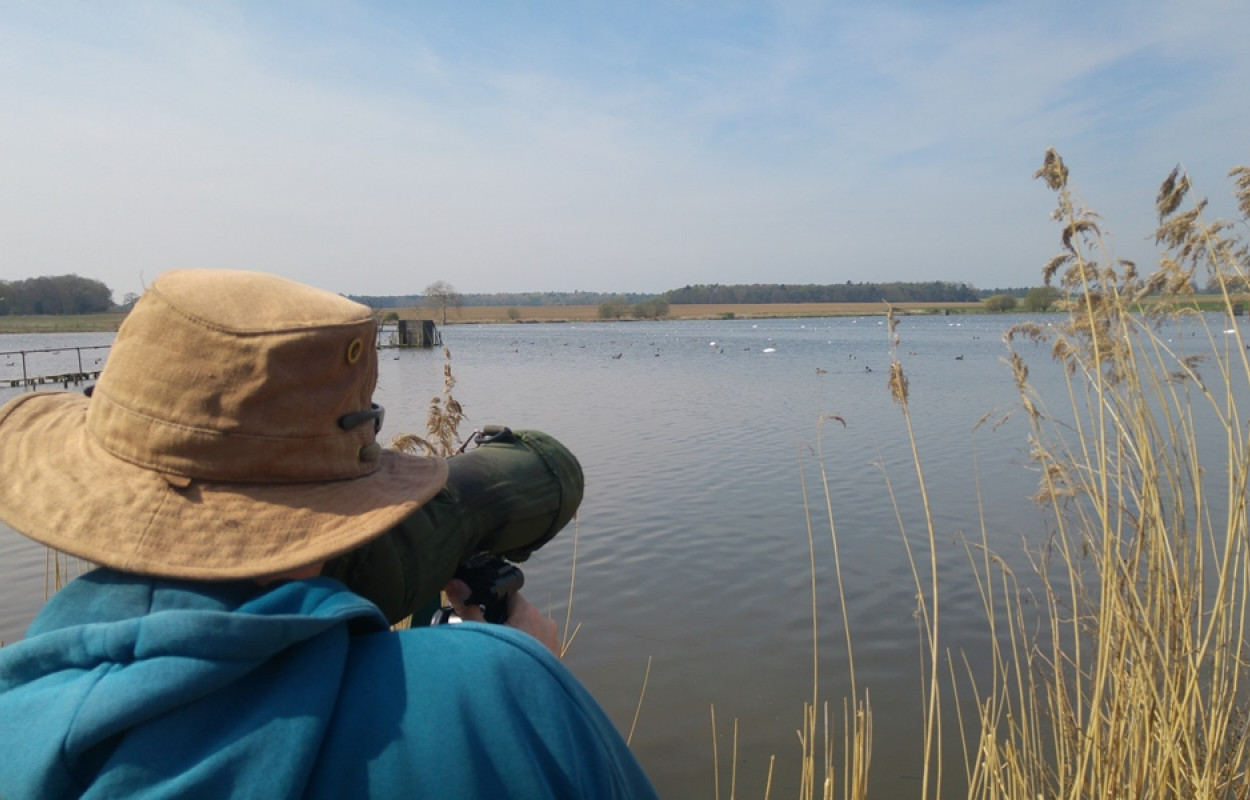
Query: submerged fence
{"points": [[69, 366], [50, 365]]}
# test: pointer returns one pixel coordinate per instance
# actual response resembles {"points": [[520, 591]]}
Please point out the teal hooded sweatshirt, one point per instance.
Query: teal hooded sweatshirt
{"points": [[127, 686]]}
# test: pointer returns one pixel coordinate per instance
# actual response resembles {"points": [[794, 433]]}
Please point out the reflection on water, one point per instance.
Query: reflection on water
{"points": [[692, 545]]}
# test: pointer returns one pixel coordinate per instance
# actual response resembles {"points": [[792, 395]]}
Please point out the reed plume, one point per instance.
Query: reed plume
{"points": [[1134, 684], [442, 422]]}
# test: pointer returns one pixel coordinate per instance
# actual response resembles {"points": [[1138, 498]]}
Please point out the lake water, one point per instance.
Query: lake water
{"points": [[691, 544]]}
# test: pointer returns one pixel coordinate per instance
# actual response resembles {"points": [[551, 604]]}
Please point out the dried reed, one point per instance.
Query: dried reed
{"points": [[442, 421], [1133, 683], [817, 740], [1127, 676]]}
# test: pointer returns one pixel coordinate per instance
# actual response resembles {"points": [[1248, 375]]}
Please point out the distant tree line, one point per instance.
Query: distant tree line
{"points": [[896, 292], [755, 293], [60, 294], [499, 299]]}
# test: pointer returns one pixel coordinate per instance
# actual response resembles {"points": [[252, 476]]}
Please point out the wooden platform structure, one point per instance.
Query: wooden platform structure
{"points": [[411, 333]]}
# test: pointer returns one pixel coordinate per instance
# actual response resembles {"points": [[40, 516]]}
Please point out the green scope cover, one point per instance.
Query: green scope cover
{"points": [[508, 496]]}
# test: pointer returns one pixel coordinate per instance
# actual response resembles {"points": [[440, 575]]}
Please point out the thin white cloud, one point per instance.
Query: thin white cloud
{"points": [[374, 150]]}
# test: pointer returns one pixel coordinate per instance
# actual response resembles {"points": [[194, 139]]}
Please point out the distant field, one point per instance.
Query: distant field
{"points": [[55, 323], [477, 314]]}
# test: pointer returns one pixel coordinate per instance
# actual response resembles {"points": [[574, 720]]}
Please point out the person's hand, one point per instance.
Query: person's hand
{"points": [[522, 615]]}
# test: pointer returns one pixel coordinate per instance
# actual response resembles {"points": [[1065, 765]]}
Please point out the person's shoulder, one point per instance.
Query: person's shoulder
{"points": [[494, 656], [482, 689], [494, 638], [490, 649]]}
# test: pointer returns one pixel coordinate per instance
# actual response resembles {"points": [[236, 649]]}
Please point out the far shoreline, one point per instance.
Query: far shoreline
{"points": [[109, 321], [478, 315], [676, 311]]}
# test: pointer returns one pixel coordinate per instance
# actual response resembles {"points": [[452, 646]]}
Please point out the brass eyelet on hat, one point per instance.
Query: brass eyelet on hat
{"points": [[371, 452], [354, 350]]}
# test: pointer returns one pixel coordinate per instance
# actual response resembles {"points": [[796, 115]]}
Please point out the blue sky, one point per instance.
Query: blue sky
{"points": [[373, 148]]}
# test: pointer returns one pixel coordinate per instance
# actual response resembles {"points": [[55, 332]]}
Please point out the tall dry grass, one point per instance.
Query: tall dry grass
{"points": [[1118, 664], [1132, 683], [835, 760]]}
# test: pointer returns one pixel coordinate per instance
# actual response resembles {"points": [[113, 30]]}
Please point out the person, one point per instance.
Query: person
{"points": [[227, 451]]}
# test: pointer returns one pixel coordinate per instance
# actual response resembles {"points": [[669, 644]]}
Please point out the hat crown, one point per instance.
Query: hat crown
{"points": [[239, 376]]}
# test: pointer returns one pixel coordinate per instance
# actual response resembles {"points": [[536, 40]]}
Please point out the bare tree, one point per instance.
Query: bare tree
{"points": [[441, 294]]}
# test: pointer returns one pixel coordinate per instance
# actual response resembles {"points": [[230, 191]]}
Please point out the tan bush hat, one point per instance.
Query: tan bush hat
{"points": [[232, 434]]}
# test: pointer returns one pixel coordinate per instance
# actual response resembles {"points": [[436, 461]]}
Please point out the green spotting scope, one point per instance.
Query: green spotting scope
{"points": [[506, 497]]}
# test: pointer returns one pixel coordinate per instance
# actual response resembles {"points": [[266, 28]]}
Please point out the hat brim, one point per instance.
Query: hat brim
{"points": [[62, 489]]}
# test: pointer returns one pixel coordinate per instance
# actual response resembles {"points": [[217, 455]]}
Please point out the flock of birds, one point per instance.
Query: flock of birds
{"points": [[769, 349]]}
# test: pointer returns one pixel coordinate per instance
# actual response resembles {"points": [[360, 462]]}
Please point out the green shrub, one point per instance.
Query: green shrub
{"points": [[654, 308], [1000, 302], [1041, 298], [615, 308]]}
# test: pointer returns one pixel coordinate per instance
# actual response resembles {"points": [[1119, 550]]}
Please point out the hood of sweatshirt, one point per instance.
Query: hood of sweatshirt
{"points": [[118, 669]]}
